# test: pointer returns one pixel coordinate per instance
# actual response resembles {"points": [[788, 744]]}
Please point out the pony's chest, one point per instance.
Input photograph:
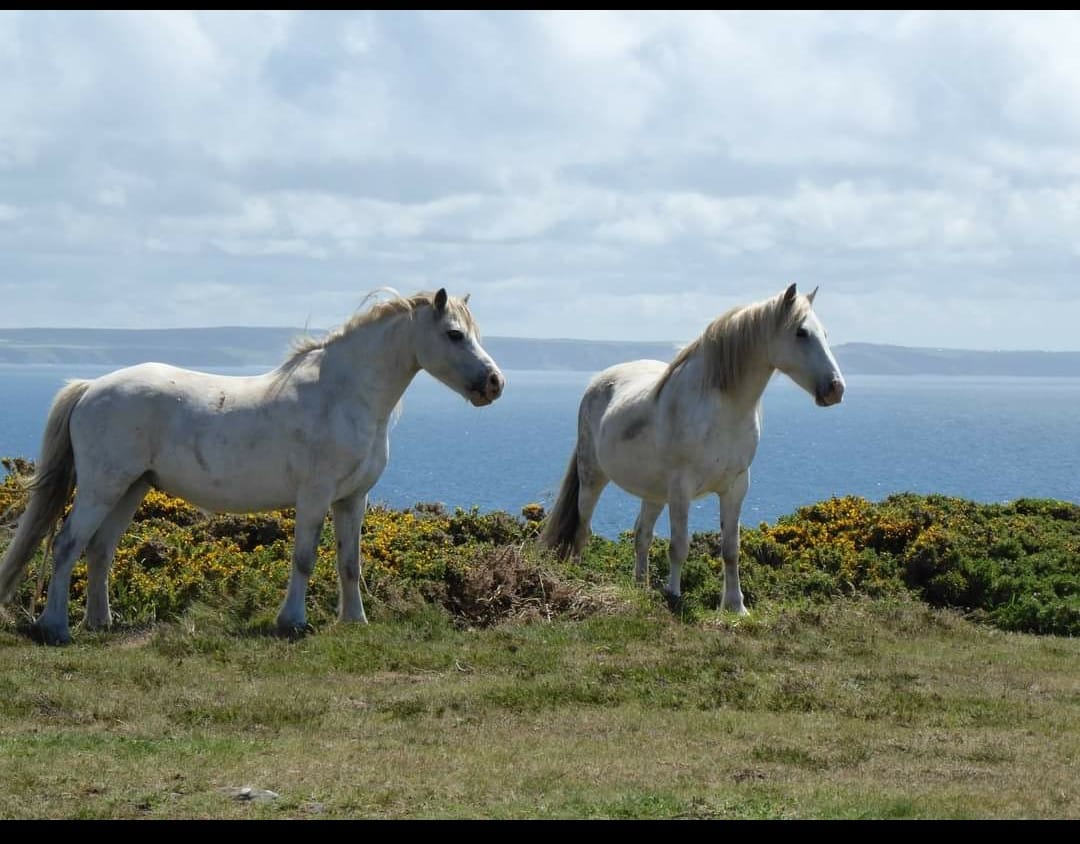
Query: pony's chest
{"points": [[723, 452], [364, 470], [735, 441]]}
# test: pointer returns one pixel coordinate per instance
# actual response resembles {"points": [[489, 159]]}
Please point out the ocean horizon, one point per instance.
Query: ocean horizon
{"points": [[987, 438]]}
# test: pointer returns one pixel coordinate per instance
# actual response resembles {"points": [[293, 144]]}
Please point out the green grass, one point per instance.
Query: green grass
{"points": [[853, 708], [887, 671]]}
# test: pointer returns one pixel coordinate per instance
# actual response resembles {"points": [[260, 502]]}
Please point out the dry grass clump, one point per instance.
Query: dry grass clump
{"points": [[497, 584]]}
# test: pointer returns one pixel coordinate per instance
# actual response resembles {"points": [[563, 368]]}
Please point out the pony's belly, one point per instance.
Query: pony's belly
{"points": [[656, 488], [642, 480], [220, 497], [643, 474], [214, 482]]}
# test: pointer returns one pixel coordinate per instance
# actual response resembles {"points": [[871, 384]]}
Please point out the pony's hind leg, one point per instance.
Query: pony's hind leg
{"points": [[87, 514], [591, 480], [643, 535], [100, 551], [348, 521], [679, 515]]}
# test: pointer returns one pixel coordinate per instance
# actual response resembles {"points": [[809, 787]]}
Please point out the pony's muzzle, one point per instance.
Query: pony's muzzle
{"points": [[488, 390], [831, 393]]}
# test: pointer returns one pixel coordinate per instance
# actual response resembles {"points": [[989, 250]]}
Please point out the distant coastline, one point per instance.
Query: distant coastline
{"points": [[234, 346]]}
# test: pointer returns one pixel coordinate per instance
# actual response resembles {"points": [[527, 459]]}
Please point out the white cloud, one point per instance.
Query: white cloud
{"points": [[629, 173]]}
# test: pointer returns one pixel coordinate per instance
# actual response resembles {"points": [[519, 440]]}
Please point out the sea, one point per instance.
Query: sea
{"points": [[991, 439]]}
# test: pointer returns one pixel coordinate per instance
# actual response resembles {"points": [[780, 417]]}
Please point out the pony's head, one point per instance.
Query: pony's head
{"points": [[448, 347], [799, 349]]}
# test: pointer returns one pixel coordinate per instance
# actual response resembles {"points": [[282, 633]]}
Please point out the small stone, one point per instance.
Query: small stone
{"points": [[249, 793]]}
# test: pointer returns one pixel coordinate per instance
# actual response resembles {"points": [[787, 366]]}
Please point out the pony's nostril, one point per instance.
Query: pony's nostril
{"points": [[495, 381], [836, 390]]}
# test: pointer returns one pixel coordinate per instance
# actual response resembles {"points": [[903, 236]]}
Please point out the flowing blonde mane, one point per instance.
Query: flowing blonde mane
{"points": [[392, 306], [730, 342]]}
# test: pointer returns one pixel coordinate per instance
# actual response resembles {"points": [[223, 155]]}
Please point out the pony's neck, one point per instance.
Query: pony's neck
{"points": [[739, 362], [748, 391], [375, 362], [743, 393]]}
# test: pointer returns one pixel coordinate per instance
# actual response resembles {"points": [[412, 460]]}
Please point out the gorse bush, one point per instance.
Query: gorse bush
{"points": [[1016, 565]]}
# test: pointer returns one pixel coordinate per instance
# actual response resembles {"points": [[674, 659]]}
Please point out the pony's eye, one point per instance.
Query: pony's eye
{"points": [[455, 335], [802, 333]]}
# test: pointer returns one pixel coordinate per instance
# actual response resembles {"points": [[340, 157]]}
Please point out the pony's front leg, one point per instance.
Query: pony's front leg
{"points": [[679, 516], [730, 505], [643, 535], [348, 522], [309, 522]]}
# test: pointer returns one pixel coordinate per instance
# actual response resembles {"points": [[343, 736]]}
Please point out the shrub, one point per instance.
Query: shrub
{"points": [[1015, 565]]}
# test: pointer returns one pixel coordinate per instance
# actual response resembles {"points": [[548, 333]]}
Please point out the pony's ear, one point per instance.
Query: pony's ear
{"points": [[440, 301], [810, 296], [466, 299], [789, 295]]}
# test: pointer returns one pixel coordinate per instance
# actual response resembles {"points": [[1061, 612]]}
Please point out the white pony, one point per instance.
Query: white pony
{"points": [[312, 435], [672, 433]]}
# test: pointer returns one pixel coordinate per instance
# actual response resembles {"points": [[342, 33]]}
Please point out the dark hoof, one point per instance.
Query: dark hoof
{"points": [[294, 633], [49, 636], [99, 624], [674, 602]]}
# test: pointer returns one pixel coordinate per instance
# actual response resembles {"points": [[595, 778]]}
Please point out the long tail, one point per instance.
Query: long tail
{"points": [[561, 528], [50, 489]]}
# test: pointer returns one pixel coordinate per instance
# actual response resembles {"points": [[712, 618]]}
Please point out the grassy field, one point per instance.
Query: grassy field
{"points": [[854, 708], [890, 668]]}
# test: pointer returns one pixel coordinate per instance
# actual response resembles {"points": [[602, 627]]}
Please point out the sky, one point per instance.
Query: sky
{"points": [[593, 175]]}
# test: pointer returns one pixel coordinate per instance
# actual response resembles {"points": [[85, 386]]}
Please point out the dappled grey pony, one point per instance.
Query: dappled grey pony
{"points": [[672, 433], [312, 434]]}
